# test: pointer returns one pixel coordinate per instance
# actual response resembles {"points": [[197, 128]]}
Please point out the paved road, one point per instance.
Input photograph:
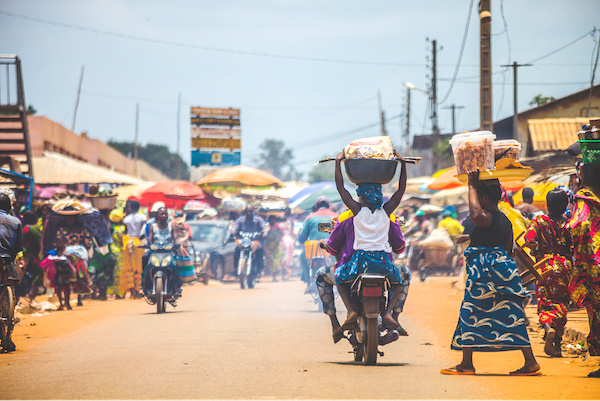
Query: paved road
{"points": [[225, 343]]}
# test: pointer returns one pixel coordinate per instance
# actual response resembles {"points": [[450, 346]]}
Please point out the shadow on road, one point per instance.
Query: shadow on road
{"points": [[381, 364]]}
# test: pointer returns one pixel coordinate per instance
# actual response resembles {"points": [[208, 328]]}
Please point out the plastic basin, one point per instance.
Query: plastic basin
{"points": [[370, 170]]}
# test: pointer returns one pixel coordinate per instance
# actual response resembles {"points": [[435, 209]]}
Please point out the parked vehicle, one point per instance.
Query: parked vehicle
{"points": [[161, 276], [211, 247], [247, 266]]}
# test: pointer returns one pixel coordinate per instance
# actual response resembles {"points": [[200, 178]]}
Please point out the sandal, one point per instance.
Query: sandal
{"points": [[391, 324], [524, 372], [337, 336], [455, 370], [352, 318]]}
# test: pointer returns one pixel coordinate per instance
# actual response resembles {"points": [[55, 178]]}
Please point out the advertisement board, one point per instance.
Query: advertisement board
{"points": [[216, 136]]}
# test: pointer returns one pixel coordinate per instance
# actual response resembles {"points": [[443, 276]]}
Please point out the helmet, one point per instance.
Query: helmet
{"points": [[157, 205]]}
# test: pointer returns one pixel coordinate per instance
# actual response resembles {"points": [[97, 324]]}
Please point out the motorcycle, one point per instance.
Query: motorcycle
{"points": [[161, 272], [368, 297], [247, 269], [316, 258]]}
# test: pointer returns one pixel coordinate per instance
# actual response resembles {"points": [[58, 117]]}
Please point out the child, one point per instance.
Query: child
{"points": [[371, 244], [60, 272]]}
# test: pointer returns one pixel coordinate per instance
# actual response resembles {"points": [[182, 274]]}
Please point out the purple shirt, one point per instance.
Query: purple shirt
{"points": [[341, 240]]}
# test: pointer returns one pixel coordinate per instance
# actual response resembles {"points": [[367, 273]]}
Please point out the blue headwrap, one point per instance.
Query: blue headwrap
{"points": [[371, 193]]}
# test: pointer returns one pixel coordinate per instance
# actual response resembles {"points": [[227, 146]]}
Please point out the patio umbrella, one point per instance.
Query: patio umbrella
{"points": [[126, 191], [175, 194], [240, 176], [49, 192], [306, 203], [445, 179]]}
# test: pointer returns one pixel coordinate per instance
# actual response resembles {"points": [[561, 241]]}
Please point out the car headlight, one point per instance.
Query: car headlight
{"points": [[154, 261], [166, 261]]}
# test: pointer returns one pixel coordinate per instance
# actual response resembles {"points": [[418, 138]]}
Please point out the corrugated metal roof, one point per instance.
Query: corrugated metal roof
{"points": [[54, 168], [554, 133]]}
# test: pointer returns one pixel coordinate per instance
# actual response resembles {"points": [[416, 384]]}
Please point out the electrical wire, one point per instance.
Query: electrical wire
{"points": [[460, 54], [563, 47], [206, 48]]}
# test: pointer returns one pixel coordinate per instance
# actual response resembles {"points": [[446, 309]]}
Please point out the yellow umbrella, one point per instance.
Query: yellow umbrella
{"points": [[126, 191], [240, 176]]}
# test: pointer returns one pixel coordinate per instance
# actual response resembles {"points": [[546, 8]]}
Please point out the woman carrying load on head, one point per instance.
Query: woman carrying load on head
{"points": [[491, 314], [371, 242], [550, 236], [584, 284]]}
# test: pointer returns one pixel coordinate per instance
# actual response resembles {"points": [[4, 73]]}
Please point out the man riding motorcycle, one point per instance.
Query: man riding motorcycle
{"points": [[310, 231], [249, 223], [11, 243], [340, 244], [161, 233]]}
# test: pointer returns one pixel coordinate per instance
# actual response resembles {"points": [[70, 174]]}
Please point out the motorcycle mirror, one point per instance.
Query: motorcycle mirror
{"points": [[325, 227]]}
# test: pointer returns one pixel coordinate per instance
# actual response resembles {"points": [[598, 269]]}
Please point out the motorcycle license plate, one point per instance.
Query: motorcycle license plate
{"points": [[372, 291]]}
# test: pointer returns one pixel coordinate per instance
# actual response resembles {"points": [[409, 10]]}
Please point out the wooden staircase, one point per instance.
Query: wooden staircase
{"points": [[15, 150]]}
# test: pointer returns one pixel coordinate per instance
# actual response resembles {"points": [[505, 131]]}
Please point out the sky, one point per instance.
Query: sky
{"points": [[311, 73]]}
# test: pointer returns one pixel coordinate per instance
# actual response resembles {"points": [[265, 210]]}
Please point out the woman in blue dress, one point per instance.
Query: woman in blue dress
{"points": [[491, 314]]}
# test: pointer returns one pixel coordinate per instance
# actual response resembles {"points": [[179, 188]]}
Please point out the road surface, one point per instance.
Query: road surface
{"points": [[266, 343]]}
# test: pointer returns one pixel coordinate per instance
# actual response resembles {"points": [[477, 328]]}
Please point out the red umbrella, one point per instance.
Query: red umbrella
{"points": [[175, 194]]}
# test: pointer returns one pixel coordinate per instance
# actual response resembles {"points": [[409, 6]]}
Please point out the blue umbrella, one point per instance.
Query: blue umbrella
{"points": [[317, 186]]}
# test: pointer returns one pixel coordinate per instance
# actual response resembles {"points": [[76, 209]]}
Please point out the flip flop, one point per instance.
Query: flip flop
{"points": [[348, 323], [455, 370], [520, 373], [391, 324], [549, 346]]}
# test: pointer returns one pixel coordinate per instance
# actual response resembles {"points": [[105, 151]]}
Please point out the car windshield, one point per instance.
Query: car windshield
{"points": [[207, 233]]}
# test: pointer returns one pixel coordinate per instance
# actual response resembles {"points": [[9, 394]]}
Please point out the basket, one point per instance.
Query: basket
{"points": [[370, 170], [103, 202], [435, 255], [313, 250], [590, 150]]}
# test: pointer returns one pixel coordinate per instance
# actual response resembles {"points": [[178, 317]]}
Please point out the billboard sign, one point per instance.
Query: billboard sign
{"points": [[214, 140]]}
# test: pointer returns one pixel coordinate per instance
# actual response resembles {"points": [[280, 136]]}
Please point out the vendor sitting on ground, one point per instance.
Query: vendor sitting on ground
{"points": [[371, 231]]}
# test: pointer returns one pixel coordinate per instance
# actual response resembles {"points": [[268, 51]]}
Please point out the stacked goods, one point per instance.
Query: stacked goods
{"points": [[377, 147], [370, 160], [473, 150], [589, 141], [507, 149]]}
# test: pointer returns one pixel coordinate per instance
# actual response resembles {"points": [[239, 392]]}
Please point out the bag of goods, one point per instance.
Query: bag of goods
{"points": [[376, 147], [507, 149], [473, 150], [439, 238]]}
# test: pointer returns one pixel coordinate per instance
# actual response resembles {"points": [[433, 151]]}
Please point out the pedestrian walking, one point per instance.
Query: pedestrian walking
{"points": [[549, 236], [584, 284], [131, 272], [116, 248], [491, 314], [273, 247]]}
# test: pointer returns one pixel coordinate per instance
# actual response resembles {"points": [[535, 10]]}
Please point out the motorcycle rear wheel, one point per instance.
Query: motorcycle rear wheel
{"points": [[242, 272], [372, 342], [7, 310], [160, 300]]}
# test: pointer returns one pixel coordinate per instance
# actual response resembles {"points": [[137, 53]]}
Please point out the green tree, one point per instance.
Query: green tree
{"points": [[31, 110], [540, 100], [276, 159], [157, 156]]}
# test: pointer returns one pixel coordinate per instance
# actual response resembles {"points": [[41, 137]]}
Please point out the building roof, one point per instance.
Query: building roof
{"points": [[552, 134], [54, 168]]}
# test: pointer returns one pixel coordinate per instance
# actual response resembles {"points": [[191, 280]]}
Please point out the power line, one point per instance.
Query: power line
{"points": [[206, 48], [460, 54], [563, 47]]}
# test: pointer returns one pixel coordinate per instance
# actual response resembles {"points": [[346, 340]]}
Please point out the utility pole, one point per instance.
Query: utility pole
{"points": [[515, 135], [77, 101], [381, 115], [178, 133], [453, 107], [407, 134], [434, 118], [485, 65], [135, 141]]}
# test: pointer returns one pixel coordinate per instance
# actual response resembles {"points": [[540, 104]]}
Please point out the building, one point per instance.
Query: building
{"points": [[46, 135]]}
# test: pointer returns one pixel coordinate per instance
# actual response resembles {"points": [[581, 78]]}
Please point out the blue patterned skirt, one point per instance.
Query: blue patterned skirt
{"points": [[377, 262], [491, 315]]}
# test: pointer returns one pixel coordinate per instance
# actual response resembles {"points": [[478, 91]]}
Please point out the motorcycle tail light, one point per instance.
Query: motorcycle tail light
{"points": [[255, 243], [238, 241], [372, 291]]}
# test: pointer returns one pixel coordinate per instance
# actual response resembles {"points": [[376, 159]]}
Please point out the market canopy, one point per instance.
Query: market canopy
{"points": [[445, 179], [54, 168], [240, 176], [175, 194]]}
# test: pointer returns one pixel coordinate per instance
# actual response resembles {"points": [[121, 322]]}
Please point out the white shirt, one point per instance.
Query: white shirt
{"points": [[134, 223], [371, 230]]}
